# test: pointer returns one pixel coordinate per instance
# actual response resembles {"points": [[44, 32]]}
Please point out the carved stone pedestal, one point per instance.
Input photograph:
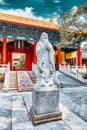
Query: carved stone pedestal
{"points": [[45, 104]]}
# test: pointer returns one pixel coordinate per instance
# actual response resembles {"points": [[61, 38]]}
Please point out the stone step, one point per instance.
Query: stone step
{"points": [[12, 88], [13, 76], [13, 73], [12, 85], [12, 81]]}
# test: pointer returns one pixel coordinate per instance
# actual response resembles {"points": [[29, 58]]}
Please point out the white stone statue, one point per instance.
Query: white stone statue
{"points": [[45, 58]]}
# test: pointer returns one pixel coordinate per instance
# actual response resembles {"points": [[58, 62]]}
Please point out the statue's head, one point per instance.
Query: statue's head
{"points": [[44, 37]]}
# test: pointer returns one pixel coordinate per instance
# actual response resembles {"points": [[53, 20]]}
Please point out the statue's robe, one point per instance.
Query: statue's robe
{"points": [[45, 59]]}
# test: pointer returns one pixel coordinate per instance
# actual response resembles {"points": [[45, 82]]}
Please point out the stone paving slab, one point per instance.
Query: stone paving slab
{"points": [[76, 101], [24, 126], [57, 125], [28, 100], [5, 112], [47, 126], [72, 120], [19, 112]]}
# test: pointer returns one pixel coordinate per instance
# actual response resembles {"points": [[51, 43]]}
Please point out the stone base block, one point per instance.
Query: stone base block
{"points": [[44, 118], [45, 104]]}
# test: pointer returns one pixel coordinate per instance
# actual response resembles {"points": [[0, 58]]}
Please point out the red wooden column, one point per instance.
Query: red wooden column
{"points": [[4, 51], [79, 58], [30, 59], [14, 45], [27, 61], [10, 60], [22, 45], [35, 56], [59, 59]]}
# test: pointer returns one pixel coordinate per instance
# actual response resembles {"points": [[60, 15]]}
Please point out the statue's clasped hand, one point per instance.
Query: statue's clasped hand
{"points": [[47, 47], [40, 70], [52, 71]]}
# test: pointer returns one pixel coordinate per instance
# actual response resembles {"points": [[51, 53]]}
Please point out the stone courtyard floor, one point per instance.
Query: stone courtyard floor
{"points": [[15, 108]]}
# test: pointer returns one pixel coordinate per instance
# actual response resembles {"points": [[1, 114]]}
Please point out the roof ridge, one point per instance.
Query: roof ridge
{"points": [[28, 21]]}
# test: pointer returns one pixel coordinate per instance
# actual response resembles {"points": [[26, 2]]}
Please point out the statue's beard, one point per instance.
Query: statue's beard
{"points": [[45, 40], [46, 44]]}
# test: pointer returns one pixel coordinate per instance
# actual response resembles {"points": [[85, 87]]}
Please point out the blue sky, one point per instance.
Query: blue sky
{"points": [[39, 9]]}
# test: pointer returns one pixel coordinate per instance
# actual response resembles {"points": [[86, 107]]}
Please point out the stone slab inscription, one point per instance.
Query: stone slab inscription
{"points": [[47, 102]]}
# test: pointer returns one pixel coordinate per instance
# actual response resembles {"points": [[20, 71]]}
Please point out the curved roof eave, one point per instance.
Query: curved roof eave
{"points": [[28, 22]]}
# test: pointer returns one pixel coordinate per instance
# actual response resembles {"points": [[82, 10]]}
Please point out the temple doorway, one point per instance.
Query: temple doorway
{"points": [[18, 61]]}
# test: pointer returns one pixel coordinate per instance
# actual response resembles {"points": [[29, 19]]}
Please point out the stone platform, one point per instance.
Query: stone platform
{"points": [[44, 118], [45, 104]]}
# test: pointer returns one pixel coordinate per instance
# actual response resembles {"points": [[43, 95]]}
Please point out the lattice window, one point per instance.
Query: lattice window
{"points": [[1, 30]]}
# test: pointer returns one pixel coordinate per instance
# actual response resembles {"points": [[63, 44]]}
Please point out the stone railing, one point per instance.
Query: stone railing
{"points": [[75, 72], [4, 69]]}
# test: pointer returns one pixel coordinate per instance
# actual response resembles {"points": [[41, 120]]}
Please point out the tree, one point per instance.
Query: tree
{"points": [[72, 28]]}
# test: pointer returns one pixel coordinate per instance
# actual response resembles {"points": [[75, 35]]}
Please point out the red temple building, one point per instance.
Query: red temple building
{"points": [[18, 39]]}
